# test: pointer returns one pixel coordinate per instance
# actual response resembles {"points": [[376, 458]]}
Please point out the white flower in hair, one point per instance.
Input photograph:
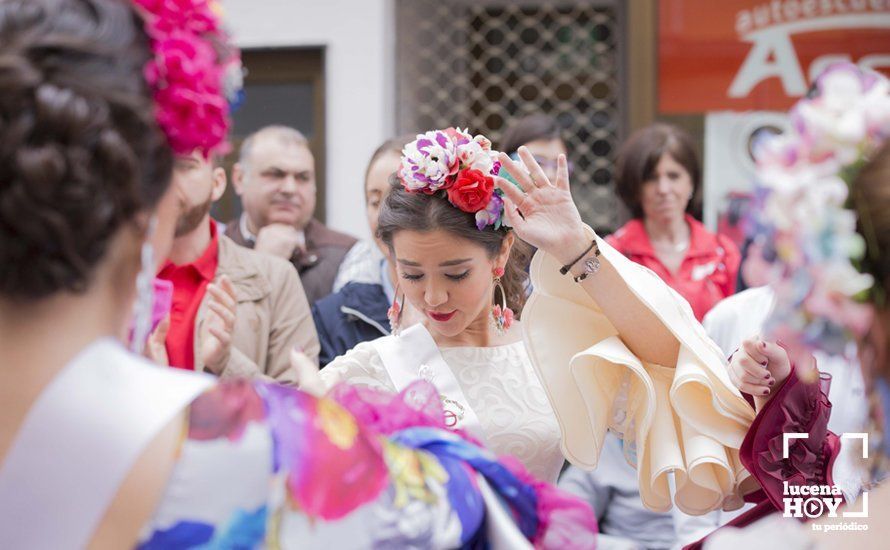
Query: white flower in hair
{"points": [[473, 156], [428, 162]]}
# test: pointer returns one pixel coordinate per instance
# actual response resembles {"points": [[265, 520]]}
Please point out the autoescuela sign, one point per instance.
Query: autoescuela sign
{"points": [[761, 55]]}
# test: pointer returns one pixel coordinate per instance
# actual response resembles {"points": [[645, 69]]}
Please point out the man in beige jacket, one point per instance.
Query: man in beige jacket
{"points": [[235, 312]]}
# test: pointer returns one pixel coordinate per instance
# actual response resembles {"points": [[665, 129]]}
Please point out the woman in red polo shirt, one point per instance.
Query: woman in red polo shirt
{"points": [[658, 177]]}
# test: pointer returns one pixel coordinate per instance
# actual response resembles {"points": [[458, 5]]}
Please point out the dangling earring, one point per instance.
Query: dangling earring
{"points": [[501, 315], [144, 293], [394, 313]]}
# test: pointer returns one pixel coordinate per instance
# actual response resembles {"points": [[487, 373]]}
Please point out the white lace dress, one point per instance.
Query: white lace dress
{"points": [[501, 387]]}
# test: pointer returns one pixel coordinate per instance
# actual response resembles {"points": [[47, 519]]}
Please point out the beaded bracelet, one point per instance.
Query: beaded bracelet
{"points": [[565, 269]]}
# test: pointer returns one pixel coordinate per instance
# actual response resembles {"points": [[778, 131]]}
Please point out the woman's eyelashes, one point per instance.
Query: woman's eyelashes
{"points": [[459, 276], [453, 277]]}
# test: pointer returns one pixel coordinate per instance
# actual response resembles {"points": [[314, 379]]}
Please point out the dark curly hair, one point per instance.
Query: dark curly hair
{"points": [[420, 212], [80, 151]]}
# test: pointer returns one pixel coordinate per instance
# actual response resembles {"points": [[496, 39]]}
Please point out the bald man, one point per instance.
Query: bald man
{"points": [[275, 178]]}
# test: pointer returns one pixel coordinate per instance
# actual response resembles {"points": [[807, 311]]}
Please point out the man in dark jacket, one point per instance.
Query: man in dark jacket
{"points": [[275, 178], [357, 313]]}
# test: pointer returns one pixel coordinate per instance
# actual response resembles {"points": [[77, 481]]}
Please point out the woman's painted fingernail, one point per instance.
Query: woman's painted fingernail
{"points": [[763, 345], [766, 377], [772, 382], [766, 391]]}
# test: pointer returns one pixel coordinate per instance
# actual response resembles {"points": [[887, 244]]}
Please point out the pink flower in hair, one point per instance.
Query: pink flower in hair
{"points": [[805, 210], [187, 81], [192, 121], [182, 60], [473, 155], [458, 136], [193, 16], [186, 73]]}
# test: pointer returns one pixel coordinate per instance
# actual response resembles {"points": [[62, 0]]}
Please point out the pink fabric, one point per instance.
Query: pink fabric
{"points": [[386, 413], [565, 521]]}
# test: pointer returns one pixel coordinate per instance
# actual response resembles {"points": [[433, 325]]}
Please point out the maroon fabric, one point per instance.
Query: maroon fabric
{"points": [[796, 407]]}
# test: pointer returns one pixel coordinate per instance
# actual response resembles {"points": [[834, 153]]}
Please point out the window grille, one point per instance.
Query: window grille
{"points": [[482, 63]]}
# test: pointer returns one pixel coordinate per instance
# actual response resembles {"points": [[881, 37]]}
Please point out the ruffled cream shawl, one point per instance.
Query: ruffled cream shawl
{"points": [[687, 419]]}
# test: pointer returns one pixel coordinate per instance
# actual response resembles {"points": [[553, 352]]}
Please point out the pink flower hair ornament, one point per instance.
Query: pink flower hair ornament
{"points": [[458, 166], [195, 74]]}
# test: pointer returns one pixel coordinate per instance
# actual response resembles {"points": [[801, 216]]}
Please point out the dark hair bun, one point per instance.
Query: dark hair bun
{"points": [[80, 151]]}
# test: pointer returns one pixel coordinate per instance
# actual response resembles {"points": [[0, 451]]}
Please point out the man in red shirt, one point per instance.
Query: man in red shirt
{"points": [[235, 312]]}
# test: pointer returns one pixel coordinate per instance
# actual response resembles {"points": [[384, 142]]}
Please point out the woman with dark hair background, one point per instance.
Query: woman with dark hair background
{"points": [[659, 180]]}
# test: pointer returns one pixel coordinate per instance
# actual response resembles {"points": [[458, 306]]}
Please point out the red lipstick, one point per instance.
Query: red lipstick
{"points": [[440, 317]]}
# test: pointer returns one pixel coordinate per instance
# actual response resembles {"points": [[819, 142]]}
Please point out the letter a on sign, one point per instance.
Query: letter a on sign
{"points": [[773, 55]]}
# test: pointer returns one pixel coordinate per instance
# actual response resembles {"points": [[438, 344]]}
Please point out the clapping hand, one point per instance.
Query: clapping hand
{"points": [[217, 329]]}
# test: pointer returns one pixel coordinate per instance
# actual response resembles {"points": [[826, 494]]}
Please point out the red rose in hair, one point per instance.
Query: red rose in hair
{"points": [[472, 190]]}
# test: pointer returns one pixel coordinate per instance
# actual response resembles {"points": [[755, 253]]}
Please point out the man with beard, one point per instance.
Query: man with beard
{"points": [[235, 312]]}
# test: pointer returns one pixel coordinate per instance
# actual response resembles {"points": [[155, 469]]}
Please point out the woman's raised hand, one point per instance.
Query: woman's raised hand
{"points": [[542, 212]]}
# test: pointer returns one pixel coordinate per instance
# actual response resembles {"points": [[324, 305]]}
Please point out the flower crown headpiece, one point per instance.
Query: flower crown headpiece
{"points": [[195, 74], [806, 209], [458, 166]]}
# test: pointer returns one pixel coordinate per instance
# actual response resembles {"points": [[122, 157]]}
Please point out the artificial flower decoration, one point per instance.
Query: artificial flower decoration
{"points": [[191, 16], [429, 162], [502, 318], [459, 166], [492, 213], [195, 74], [471, 191], [804, 208]]}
